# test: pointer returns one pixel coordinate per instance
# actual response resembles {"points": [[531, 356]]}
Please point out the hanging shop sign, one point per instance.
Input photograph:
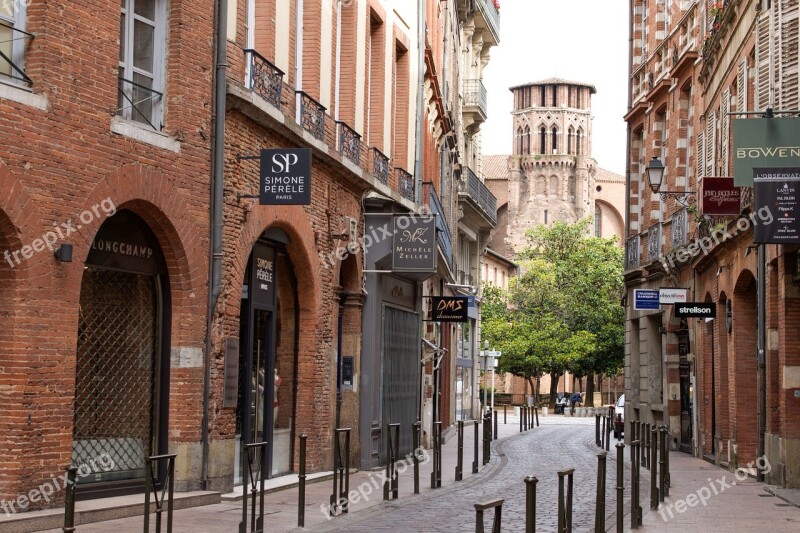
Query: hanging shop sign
{"points": [[669, 295], [645, 299], [262, 277], [696, 310], [414, 244], [450, 309], [764, 143], [285, 176], [719, 197], [777, 191]]}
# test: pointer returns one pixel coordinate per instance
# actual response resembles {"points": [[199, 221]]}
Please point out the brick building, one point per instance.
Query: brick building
{"points": [[105, 158], [697, 70]]}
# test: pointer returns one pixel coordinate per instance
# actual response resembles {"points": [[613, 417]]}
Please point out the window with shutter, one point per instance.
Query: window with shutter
{"points": [[762, 59], [711, 141], [699, 155], [741, 87], [724, 128], [787, 79]]}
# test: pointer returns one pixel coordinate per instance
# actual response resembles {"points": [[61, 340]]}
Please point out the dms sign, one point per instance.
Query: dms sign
{"points": [[450, 308], [696, 310], [285, 177]]}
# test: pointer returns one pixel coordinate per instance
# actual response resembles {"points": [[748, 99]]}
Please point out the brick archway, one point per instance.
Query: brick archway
{"points": [[744, 354]]}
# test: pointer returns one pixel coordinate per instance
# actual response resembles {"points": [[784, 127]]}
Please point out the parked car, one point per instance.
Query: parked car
{"points": [[562, 402], [619, 417]]}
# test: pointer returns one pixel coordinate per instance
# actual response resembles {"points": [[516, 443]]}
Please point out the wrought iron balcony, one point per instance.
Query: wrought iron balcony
{"points": [[679, 227], [349, 142], [492, 16], [311, 115], [265, 79], [136, 102], [443, 230], [380, 166], [474, 188], [405, 184], [12, 67], [475, 96], [632, 252], [654, 242]]}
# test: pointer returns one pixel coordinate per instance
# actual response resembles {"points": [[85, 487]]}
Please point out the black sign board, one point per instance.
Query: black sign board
{"points": [[347, 371], [125, 242], [230, 394], [696, 309], [285, 177], [776, 192], [450, 309], [414, 243], [262, 279]]}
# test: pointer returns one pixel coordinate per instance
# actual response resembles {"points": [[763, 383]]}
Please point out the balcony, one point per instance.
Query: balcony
{"points": [[311, 115], [405, 184], [349, 143], [475, 101], [445, 240], [632, 252], [491, 16], [380, 166], [474, 190], [265, 79]]}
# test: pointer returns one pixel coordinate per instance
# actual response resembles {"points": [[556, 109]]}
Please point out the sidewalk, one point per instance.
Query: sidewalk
{"points": [[281, 507], [706, 498]]}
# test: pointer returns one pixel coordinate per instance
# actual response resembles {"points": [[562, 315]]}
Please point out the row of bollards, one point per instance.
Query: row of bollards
{"points": [[528, 416]]}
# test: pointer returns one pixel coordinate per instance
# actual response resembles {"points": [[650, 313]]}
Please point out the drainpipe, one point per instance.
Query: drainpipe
{"points": [[420, 99], [217, 174]]}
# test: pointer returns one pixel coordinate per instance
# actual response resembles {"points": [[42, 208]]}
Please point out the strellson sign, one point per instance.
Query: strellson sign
{"points": [[285, 177], [719, 196], [696, 310], [764, 143]]}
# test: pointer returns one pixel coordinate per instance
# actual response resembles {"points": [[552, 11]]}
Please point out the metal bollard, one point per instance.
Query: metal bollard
{"points": [[415, 434], [505, 421], [475, 444], [565, 501], [666, 462], [390, 486], [301, 499], [602, 432], [436, 474], [597, 430], [620, 486], [497, 505], [460, 457], [636, 509], [524, 413], [647, 446], [608, 433], [495, 425], [530, 504], [536, 413], [168, 489], [69, 503], [341, 471], [653, 469], [487, 438], [662, 473], [600, 500], [520, 418]]}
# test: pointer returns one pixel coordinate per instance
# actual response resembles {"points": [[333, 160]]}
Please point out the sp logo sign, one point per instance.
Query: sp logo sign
{"points": [[285, 177]]}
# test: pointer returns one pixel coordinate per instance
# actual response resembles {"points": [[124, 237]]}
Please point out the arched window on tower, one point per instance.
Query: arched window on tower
{"points": [[570, 135], [519, 144], [579, 142], [578, 97], [555, 140], [543, 140], [526, 140], [597, 219]]}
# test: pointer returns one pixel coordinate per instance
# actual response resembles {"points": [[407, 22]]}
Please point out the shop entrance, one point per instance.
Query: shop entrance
{"points": [[122, 368], [268, 357]]}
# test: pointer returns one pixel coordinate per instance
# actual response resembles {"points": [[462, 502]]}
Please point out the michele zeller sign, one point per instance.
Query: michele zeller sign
{"points": [[764, 143], [414, 244]]}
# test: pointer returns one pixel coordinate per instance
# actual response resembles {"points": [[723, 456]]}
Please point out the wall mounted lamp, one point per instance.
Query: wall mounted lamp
{"points": [[655, 177], [64, 253]]}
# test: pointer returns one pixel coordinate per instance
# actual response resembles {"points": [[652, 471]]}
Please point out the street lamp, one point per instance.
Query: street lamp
{"points": [[485, 355], [655, 177]]}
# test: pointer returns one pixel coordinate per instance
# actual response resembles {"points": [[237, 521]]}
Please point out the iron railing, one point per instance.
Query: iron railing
{"points": [[443, 230], [475, 95], [746, 198], [265, 79], [349, 142], [405, 184], [311, 115], [632, 252], [492, 15], [141, 108], [380, 166], [654, 242], [15, 68], [679, 226], [480, 194]]}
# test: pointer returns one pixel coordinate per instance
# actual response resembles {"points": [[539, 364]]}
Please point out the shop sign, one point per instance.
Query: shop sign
{"points": [[414, 244], [645, 299], [124, 242], [450, 309], [764, 143], [285, 177], [262, 278], [719, 197], [668, 295], [696, 310], [777, 191], [230, 394]]}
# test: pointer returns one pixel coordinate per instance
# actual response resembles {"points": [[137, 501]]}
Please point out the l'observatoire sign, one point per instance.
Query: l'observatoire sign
{"points": [[777, 190], [285, 177]]}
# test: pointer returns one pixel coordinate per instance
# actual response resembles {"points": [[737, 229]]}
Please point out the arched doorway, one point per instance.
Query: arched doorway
{"points": [[122, 358], [745, 350], [268, 363]]}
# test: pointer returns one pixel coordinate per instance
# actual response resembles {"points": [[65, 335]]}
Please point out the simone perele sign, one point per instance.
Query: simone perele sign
{"points": [[285, 177]]}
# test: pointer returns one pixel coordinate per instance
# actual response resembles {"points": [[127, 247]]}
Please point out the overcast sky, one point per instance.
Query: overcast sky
{"points": [[580, 40]]}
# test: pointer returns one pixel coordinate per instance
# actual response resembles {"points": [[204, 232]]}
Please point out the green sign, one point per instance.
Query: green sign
{"points": [[764, 143]]}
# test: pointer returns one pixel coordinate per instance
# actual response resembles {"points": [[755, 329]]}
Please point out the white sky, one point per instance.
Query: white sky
{"points": [[579, 40]]}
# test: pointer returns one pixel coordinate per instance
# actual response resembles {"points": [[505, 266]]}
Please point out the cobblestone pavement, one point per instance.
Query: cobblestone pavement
{"points": [[541, 453]]}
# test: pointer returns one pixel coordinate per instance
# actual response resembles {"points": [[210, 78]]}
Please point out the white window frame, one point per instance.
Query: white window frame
{"points": [[159, 62], [17, 22]]}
